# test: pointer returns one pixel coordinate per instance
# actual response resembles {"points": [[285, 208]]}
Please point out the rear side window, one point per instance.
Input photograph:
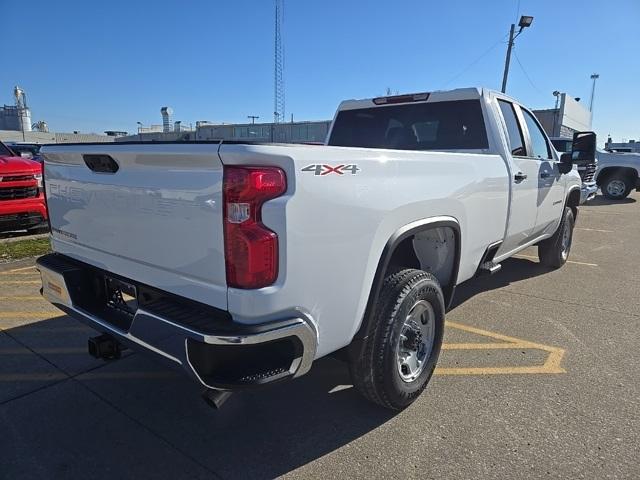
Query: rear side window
{"points": [[455, 125], [513, 129]]}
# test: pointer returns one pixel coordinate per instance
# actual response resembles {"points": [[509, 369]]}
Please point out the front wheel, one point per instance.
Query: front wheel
{"points": [[617, 186], [401, 353], [554, 251]]}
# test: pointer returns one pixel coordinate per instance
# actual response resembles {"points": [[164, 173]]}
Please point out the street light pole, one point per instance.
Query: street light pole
{"points": [[525, 21], [253, 118], [556, 94], [594, 77]]}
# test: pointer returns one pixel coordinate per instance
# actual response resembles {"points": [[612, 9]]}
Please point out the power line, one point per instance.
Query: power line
{"points": [[475, 62], [526, 74]]}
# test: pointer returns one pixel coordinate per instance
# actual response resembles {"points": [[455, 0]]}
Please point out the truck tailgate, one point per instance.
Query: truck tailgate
{"points": [[156, 220]]}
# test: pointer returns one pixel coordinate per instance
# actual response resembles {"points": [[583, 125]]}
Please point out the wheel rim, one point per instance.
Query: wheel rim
{"points": [[566, 240], [416, 341], [616, 188]]}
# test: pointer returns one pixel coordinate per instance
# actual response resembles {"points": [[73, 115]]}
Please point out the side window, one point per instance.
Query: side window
{"points": [[538, 140], [513, 129]]}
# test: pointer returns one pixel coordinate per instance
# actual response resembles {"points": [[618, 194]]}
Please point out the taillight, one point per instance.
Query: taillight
{"points": [[251, 249]]}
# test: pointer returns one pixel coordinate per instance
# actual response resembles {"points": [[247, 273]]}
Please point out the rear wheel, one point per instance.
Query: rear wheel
{"points": [[401, 353], [554, 251], [617, 186]]}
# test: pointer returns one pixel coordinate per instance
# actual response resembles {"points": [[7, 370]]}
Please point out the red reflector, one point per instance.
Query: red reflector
{"points": [[410, 97], [251, 249]]}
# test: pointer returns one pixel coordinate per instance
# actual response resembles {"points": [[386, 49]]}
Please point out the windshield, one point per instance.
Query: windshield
{"points": [[4, 151], [453, 125]]}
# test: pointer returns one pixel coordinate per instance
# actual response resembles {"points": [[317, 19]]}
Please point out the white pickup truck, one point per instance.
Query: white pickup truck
{"points": [[617, 173], [244, 263]]}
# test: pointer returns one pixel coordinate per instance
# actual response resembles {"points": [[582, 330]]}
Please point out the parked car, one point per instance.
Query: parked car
{"points": [[587, 172], [617, 173], [22, 202], [27, 150], [242, 264]]}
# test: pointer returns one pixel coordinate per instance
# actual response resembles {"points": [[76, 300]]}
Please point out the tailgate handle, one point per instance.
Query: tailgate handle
{"points": [[101, 163]]}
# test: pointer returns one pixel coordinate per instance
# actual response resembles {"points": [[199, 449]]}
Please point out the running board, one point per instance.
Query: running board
{"points": [[489, 268]]}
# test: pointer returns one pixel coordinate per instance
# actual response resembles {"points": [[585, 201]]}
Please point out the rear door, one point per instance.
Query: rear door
{"points": [[157, 219], [524, 190]]}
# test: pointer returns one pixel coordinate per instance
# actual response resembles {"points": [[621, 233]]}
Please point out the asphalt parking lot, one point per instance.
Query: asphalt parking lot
{"points": [[539, 377]]}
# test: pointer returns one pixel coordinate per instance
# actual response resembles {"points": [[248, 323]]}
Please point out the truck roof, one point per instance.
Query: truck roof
{"points": [[470, 93]]}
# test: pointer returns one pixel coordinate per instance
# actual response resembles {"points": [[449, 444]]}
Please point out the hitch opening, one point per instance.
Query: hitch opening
{"points": [[105, 346], [215, 398]]}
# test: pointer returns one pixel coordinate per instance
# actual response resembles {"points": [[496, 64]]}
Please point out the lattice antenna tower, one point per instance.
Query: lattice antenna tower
{"points": [[279, 106]]}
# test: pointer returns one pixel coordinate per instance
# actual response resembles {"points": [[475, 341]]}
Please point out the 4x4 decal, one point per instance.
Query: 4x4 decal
{"points": [[321, 170]]}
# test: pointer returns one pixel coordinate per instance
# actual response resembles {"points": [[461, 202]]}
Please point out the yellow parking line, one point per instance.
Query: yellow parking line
{"points": [[582, 210], [20, 282], [551, 364], [568, 261], [42, 314], [33, 274], [594, 230], [496, 371], [483, 346], [23, 298], [32, 267]]}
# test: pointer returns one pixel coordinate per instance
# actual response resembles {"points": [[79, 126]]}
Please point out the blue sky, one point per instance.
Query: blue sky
{"points": [[92, 66]]}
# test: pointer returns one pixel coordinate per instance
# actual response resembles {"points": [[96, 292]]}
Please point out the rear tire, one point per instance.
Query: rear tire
{"points": [[554, 251], [400, 354], [617, 186]]}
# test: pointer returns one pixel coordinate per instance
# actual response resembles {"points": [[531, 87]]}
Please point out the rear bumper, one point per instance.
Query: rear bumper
{"points": [[210, 347]]}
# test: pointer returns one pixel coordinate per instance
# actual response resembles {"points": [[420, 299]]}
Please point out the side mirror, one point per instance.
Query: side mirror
{"points": [[566, 163], [583, 150], [26, 155]]}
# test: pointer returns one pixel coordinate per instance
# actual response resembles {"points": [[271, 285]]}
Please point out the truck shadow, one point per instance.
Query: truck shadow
{"points": [[513, 270], [601, 200], [258, 434], [134, 413]]}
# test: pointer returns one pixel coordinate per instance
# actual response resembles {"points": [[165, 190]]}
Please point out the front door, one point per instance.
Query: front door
{"points": [[550, 187], [524, 190]]}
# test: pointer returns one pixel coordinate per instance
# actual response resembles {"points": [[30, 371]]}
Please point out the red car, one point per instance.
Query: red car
{"points": [[22, 203]]}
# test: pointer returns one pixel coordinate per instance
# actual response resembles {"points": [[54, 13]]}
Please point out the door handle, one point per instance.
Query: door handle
{"points": [[545, 175], [518, 177]]}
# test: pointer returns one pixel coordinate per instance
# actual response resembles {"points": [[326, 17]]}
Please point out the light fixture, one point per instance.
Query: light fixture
{"points": [[525, 21]]}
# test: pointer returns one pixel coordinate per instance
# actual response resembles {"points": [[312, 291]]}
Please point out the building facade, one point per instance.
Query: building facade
{"points": [[292, 132], [571, 116], [632, 146]]}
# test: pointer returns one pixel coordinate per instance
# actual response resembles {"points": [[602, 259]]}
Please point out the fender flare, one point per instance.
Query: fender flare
{"points": [[387, 253]]}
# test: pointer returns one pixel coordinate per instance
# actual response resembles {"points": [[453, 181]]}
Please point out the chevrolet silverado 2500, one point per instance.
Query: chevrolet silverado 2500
{"points": [[22, 203], [617, 173], [244, 263]]}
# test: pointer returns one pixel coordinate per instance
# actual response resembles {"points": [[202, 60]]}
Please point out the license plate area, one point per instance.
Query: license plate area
{"points": [[121, 296]]}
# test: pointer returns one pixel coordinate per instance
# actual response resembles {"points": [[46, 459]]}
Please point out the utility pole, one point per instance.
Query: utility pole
{"points": [[594, 77], [525, 21], [253, 118]]}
